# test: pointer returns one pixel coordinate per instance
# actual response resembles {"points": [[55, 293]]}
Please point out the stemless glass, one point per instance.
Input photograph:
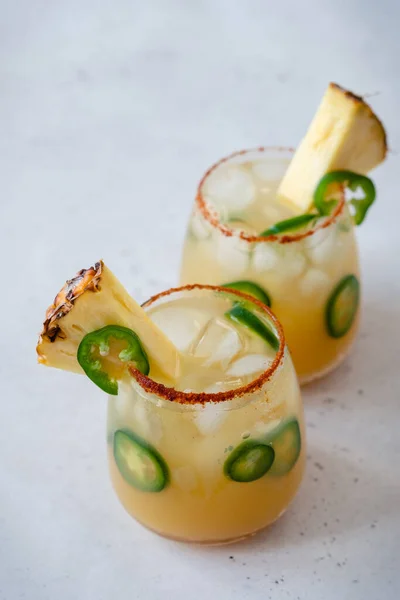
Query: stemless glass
{"points": [[311, 276], [202, 455]]}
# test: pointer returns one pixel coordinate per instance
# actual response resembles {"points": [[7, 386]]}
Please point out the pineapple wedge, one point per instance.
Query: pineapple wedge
{"points": [[91, 300], [344, 134]]}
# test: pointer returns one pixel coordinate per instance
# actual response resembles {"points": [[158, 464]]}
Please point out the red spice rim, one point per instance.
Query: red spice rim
{"points": [[173, 395], [282, 239]]}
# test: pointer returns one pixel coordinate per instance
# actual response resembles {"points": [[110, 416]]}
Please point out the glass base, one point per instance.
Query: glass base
{"points": [[205, 542], [223, 542], [320, 374]]}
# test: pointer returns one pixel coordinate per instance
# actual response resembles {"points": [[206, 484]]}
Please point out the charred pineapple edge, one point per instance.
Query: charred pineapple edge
{"points": [[360, 100], [86, 280]]}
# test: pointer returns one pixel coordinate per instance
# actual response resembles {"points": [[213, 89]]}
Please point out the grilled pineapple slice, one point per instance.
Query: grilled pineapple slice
{"points": [[344, 134], [91, 300]]}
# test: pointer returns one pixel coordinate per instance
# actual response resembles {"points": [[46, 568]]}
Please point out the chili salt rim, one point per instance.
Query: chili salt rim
{"points": [[191, 398], [211, 217]]}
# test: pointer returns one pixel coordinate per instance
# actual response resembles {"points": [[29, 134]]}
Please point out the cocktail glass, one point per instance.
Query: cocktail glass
{"points": [[220, 456], [310, 277]]}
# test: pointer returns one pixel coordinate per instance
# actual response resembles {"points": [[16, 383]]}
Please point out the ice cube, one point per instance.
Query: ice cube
{"points": [[266, 256], [249, 365], [125, 398], [185, 478], [220, 343], [147, 421], [199, 226], [314, 281], [321, 245], [230, 186], [238, 225], [180, 324], [273, 214], [293, 260], [261, 429], [269, 170], [223, 386], [233, 255], [286, 260], [208, 460], [209, 418]]}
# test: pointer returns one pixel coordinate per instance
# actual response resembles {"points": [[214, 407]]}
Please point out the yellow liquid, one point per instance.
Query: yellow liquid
{"points": [[299, 276], [230, 513], [200, 503]]}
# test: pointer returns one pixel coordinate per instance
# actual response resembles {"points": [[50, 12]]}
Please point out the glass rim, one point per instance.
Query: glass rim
{"points": [[213, 220], [193, 398]]}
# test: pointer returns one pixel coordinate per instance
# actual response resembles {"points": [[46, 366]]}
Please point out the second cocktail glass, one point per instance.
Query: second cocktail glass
{"points": [[310, 277]]}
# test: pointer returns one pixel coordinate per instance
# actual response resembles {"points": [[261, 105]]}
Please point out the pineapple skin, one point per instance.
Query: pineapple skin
{"points": [[91, 300], [344, 134]]}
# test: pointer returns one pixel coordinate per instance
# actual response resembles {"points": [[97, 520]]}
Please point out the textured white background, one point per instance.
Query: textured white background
{"points": [[109, 113]]}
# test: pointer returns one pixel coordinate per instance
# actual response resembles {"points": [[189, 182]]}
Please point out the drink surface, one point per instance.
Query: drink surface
{"points": [[304, 279], [246, 195], [220, 471], [217, 354]]}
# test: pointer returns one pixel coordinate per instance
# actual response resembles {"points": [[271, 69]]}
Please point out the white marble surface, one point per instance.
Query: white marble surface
{"points": [[109, 113]]}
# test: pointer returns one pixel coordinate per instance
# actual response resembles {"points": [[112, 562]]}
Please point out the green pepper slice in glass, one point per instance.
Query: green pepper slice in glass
{"points": [[250, 461], [139, 463], [352, 181], [285, 439], [342, 306], [96, 345], [250, 288], [292, 224], [239, 314]]}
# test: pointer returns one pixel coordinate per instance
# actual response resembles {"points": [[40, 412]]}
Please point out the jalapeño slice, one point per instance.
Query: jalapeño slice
{"points": [[353, 181], [292, 224], [249, 461], [139, 463], [96, 348], [253, 289], [286, 442], [242, 315], [342, 306]]}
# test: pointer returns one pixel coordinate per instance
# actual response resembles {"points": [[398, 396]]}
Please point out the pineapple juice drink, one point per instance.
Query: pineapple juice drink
{"points": [[205, 422], [309, 274], [219, 456]]}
